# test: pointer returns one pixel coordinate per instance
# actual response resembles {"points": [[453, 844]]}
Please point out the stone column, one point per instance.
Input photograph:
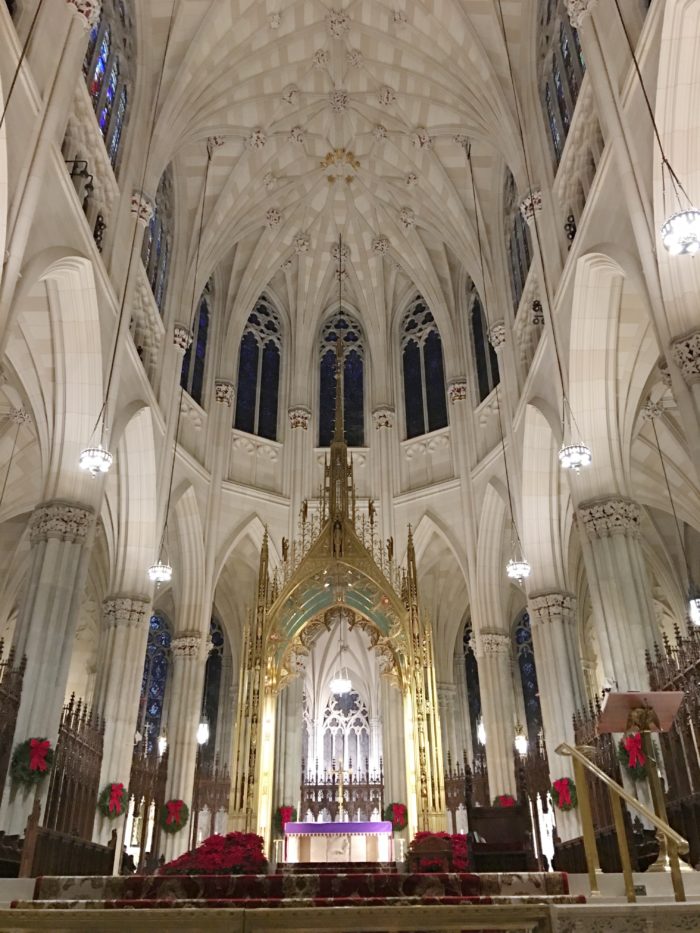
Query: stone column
{"points": [[447, 696], [463, 722], [623, 607], [59, 535], [290, 723], [182, 340], [187, 681], [126, 621], [299, 455], [386, 464], [69, 44], [553, 620], [686, 355], [393, 744], [498, 709], [222, 739], [375, 743]]}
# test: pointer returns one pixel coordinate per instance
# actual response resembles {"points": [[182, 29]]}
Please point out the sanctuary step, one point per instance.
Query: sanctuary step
{"points": [[336, 868]]}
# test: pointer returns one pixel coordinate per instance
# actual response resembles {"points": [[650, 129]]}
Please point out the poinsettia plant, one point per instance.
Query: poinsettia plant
{"points": [[563, 792], [284, 814], [31, 761], [397, 815], [631, 756], [460, 852], [504, 800], [174, 815], [113, 800], [234, 854]]}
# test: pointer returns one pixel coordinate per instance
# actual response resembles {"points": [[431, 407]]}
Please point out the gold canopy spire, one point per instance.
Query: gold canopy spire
{"points": [[339, 428]]}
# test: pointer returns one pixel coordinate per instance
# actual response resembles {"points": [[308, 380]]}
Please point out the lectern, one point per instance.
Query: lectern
{"points": [[645, 713]]}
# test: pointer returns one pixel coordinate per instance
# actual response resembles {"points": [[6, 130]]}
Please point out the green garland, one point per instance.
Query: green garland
{"points": [[174, 815], [113, 801], [31, 762]]}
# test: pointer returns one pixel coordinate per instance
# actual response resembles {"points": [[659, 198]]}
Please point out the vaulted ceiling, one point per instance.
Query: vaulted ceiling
{"points": [[349, 116]]}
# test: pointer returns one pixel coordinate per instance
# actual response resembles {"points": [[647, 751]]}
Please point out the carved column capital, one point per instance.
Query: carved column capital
{"points": [[19, 416], [380, 245], [458, 391], [531, 204], [493, 643], [143, 207], [552, 607], [64, 521], [446, 694], [86, 11], [383, 417], [579, 10], [131, 611], [497, 335], [686, 354], [224, 392], [186, 646], [299, 417], [604, 518], [182, 337]]}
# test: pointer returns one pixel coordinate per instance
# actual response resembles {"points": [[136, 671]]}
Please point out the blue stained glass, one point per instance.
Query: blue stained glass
{"points": [[354, 399], [568, 60], [162, 268], [561, 99], [412, 388], [98, 75], [579, 50], [90, 51], [435, 382], [155, 675], [200, 352], [246, 395], [269, 391], [110, 94], [528, 676], [118, 128], [473, 691], [327, 398]]}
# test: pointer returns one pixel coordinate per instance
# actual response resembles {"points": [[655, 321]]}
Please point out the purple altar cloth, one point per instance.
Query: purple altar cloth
{"points": [[336, 829]]}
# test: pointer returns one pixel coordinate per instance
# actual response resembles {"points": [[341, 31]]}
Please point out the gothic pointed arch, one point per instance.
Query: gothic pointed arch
{"points": [[259, 364], [345, 325], [423, 366]]}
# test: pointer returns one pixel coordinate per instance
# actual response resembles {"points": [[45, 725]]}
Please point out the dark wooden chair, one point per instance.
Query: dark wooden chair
{"points": [[436, 851], [501, 839]]}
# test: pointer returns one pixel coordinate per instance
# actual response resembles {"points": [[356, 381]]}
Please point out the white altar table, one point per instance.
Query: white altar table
{"points": [[338, 842]]}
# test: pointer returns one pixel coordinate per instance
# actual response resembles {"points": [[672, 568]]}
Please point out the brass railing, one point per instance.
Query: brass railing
{"points": [[675, 843]]}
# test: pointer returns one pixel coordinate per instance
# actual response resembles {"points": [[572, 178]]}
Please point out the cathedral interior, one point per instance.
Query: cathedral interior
{"points": [[349, 418]]}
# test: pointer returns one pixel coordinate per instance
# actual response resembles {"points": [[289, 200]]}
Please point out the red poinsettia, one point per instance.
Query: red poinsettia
{"points": [[504, 800], [460, 852], [234, 854]]}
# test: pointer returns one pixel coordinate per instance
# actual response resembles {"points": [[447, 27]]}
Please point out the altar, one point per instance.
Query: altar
{"points": [[338, 842]]}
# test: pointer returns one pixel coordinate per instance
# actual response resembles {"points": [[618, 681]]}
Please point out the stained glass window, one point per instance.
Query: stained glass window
{"points": [[154, 680], [155, 250], [98, 74], [192, 376], [471, 669], [212, 687], [107, 70], [423, 371], [485, 360], [257, 396], [522, 637], [518, 247], [353, 385], [561, 71]]}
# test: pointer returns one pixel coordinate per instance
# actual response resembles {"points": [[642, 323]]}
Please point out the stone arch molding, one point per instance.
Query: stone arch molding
{"points": [[55, 350]]}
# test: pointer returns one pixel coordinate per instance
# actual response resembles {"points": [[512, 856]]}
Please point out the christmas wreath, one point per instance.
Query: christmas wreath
{"points": [[113, 801], [504, 800], [563, 793], [174, 816], [397, 815], [31, 761], [284, 814], [631, 756]]}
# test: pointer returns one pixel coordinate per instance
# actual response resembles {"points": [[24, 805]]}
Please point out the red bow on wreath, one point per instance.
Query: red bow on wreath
{"points": [[174, 808], [562, 788], [633, 747], [115, 798], [38, 751]]}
